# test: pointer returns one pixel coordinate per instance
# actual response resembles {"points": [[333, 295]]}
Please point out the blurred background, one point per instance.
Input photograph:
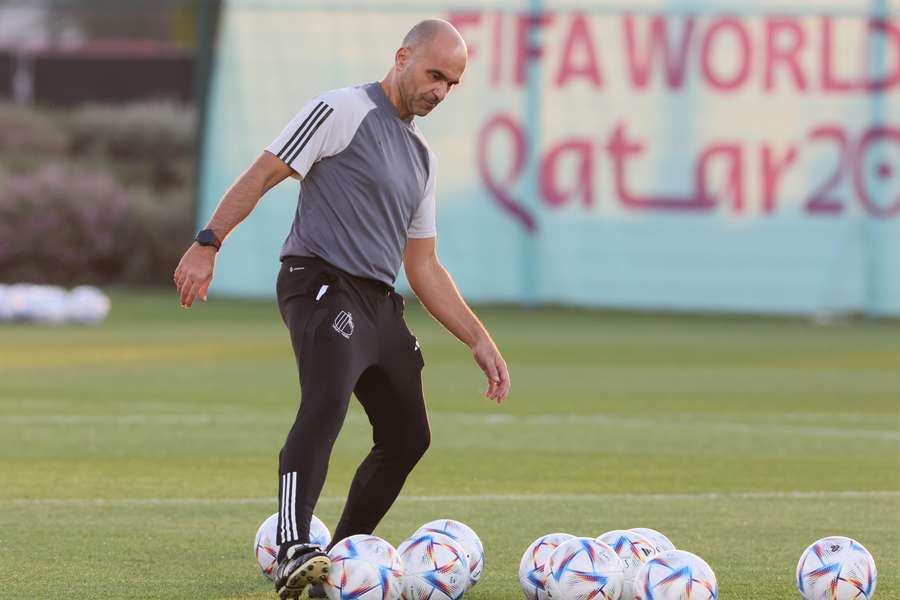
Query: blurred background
{"points": [[650, 155], [100, 106], [680, 221]]}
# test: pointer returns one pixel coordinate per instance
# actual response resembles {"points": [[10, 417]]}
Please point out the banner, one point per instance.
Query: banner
{"points": [[629, 156]]}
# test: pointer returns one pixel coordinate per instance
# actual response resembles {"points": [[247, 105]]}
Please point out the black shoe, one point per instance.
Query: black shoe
{"points": [[303, 564], [317, 590]]}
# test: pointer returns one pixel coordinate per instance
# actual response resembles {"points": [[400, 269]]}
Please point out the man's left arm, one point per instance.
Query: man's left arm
{"points": [[435, 289]]}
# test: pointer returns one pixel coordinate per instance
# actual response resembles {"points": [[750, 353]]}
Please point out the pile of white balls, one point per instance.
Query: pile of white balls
{"points": [[50, 304], [442, 560], [617, 565], [643, 564]]}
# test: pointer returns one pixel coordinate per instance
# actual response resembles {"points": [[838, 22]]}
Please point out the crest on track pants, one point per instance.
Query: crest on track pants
{"points": [[343, 324]]}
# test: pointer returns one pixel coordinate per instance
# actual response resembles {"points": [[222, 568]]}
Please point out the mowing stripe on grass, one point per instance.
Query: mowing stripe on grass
{"points": [[689, 422], [703, 496]]}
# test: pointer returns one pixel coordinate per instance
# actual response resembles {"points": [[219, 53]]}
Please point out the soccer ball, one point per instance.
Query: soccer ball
{"points": [[87, 304], [47, 304], [370, 547], [676, 575], [659, 541], [634, 550], [467, 538], [532, 571], [266, 544], [584, 569], [18, 302], [364, 567], [434, 567], [836, 568], [359, 578]]}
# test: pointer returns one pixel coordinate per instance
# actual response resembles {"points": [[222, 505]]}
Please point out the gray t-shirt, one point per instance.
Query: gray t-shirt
{"points": [[368, 182]]}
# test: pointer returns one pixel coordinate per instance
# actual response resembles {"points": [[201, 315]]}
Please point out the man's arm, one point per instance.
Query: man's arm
{"points": [[435, 289], [195, 270]]}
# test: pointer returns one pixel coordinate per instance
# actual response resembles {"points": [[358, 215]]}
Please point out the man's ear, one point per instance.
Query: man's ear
{"points": [[401, 59]]}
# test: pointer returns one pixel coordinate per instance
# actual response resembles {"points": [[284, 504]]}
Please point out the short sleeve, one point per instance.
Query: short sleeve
{"points": [[322, 128], [424, 222]]}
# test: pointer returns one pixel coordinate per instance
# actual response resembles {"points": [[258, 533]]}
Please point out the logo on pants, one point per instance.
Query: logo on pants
{"points": [[343, 324]]}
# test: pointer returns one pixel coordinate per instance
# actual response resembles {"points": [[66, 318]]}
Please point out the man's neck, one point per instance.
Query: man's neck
{"points": [[393, 94]]}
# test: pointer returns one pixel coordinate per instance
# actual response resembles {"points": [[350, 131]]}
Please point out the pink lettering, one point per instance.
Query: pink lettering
{"points": [[584, 188], [821, 201], [884, 171], [621, 149], [579, 37], [830, 82], [462, 21], [499, 188], [792, 39], [719, 81], [882, 27], [773, 168], [527, 49], [641, 62], [497, 51], [734, 179]]}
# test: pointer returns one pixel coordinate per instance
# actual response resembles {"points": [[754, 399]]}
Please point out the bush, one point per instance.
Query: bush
{"points": [[64, 226], [29, 134], [156, 131], [120, 210], [164, 228]]}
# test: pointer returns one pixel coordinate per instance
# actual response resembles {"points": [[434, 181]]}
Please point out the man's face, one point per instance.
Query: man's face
{"points": [[429, 73]]}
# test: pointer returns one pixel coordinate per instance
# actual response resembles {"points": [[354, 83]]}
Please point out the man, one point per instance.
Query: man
{"points": [[367, 203]]}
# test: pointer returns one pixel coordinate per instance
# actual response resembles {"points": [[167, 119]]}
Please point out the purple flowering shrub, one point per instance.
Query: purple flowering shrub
{"points": [[64, 226], [97, 194]]}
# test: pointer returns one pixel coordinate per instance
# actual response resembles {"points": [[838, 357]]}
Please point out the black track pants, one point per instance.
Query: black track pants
{"points": [[349, 337]]}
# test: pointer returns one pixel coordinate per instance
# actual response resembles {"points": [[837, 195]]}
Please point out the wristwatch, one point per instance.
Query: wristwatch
{"points": [[206, 237]]}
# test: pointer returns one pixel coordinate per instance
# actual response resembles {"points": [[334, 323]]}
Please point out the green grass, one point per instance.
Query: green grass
{"points": [[690, 425]]}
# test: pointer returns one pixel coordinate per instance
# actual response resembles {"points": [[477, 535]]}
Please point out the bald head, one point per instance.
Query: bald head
{"points": [[430, 62], [434, 31]]}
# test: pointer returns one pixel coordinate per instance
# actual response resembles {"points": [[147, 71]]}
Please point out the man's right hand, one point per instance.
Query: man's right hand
{"points": [[194, 273]]}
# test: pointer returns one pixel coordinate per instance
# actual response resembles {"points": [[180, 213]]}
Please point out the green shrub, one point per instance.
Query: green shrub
{"points": [[27, 135], [156, 131], [120, 210], [164, 228]]}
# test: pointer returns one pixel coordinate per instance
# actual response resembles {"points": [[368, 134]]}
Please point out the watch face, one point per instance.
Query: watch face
{"points": [[207, 238]]}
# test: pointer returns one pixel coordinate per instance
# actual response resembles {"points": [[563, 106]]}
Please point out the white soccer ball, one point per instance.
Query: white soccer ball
{"points": [[5, 308], [266, 544], [836, 568], [370, 547], [358, 578], [467, 538], [584, 569], [532, 571], [47, 304], [355, 561], [434, 567], [87, 304], [676, 575], [18, 302], [660, 542], [634, 550]]}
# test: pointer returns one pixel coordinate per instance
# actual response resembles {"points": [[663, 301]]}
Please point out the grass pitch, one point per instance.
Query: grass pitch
{"points": [[138, 458]]}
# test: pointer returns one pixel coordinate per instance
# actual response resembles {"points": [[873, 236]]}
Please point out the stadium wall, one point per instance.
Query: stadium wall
{"points": [[645, 154]]}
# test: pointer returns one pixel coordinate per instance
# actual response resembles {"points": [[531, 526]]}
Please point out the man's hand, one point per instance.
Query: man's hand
{"points": [[491, 362], [194, 273]]}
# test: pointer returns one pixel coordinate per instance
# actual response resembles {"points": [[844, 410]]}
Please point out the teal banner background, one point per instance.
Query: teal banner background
{"points": [[644, 155]]}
